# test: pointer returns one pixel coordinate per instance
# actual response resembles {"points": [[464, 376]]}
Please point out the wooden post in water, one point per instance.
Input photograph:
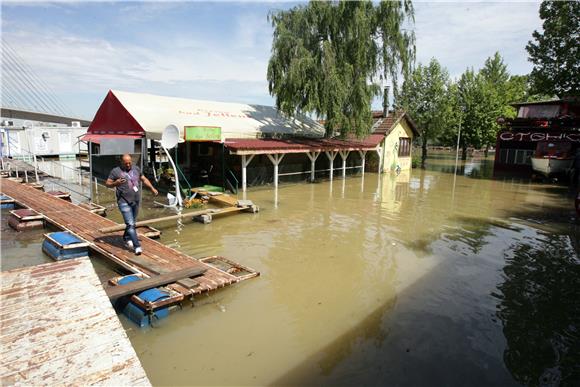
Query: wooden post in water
{"points": [[331, 156], [379, 150], [363, 155], [344, 156], [245, 162], [276, 159], [312, 156]]}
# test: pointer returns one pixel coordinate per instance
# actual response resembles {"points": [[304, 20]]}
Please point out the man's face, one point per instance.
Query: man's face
{"points": [[126, 163]]}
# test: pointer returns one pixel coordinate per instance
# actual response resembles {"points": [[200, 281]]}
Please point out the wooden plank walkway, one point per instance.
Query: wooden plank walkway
{"points": [[156, 258], [57, 327]]}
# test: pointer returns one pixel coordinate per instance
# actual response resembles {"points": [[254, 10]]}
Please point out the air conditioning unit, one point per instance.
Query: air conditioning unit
{"points": [[75, 124]]}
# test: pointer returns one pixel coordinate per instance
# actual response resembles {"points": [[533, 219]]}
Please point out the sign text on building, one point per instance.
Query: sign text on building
{"points": [[203, 133], [539, 136]]}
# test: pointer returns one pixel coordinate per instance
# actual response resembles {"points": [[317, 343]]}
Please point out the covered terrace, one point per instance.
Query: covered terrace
{"points": [[276, 149]]}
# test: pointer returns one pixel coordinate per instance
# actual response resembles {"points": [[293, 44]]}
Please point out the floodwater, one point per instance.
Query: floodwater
{"points": [[417, 279]]}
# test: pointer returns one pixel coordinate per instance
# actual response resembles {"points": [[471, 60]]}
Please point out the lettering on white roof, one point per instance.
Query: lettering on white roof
{"points": [[236, 120]]}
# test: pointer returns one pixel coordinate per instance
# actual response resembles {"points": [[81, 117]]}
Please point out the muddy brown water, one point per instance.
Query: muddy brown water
{"points": [[416, 279]]}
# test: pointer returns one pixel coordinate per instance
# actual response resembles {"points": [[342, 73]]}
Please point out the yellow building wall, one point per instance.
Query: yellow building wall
{"points": [[391, 148]]}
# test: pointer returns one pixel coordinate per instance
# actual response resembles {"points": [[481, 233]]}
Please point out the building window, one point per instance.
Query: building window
{"points": [[515, 156], [404, 147]]}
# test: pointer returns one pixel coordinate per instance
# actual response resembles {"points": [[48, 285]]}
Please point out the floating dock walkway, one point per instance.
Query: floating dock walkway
{"points": [[58, 328], [157, 259]]}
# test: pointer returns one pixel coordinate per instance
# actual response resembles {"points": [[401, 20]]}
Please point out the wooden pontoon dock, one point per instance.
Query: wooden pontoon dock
{"points": [[157, 259], [58, 328]]}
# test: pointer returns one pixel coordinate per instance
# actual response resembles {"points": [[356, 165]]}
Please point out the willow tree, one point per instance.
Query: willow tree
{"points": [[329, 57]]}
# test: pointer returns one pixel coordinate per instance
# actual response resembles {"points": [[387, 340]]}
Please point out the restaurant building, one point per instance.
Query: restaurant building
{"points": [[235, 145]]}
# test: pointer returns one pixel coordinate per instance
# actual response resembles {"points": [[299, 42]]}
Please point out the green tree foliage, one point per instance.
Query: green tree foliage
{"points": [[500, 89], [555, 52], [425, 96], [327, 58], [451, 116], [519, 90], [479, 109]]}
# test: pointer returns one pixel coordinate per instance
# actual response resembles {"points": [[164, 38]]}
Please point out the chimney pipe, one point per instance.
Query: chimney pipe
{"points": [[385, 101]]}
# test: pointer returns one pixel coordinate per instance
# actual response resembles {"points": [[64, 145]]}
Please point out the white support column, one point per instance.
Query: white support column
{"points": [[245, 162], [276, 159], [380, 153], [312, 156], [344, 156], [331, 156], [363, 155]]}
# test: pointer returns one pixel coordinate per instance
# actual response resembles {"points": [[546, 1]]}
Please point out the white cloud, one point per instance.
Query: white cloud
{"points": [[462, 35], [214, 66], [71, 65]]}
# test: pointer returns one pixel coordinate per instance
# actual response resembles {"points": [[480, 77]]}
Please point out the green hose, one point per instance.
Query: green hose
{"points": [[179, 171]]}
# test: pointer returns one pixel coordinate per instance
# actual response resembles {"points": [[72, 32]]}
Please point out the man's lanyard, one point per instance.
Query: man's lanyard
{"points": [[131, 178]]}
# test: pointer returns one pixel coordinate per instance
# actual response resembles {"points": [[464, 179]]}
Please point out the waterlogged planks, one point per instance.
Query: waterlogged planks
{"points": [[86, 225], [57, 327], [115, 292]]}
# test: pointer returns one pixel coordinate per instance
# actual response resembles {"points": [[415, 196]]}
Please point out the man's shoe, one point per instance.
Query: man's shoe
{"points": [[138, 251], [129, 244]]}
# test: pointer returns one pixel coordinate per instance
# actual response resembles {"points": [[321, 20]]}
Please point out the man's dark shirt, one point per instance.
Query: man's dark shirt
{"points": [[125, 191]]}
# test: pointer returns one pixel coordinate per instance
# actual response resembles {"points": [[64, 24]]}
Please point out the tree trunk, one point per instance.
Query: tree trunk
{"points": [[424, 151], [464, 152], [486, 152]]}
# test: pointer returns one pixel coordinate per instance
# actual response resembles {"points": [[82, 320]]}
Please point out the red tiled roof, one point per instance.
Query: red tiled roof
{"points": [[388, 123], [303, 144], [297, 145]]}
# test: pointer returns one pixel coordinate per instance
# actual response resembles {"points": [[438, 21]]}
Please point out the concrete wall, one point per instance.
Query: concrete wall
{"points": [[391, 148]]}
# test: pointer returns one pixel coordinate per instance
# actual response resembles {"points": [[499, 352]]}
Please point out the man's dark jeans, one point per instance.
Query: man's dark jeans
{"points": [[129, 212]]}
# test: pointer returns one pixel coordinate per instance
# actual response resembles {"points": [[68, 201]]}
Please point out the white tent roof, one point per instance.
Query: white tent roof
{"points": [[236, 120]]}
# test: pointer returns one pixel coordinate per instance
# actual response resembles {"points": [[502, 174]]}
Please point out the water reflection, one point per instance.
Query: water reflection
{"points": [[476, 167], [387, 281], [540, 311]]}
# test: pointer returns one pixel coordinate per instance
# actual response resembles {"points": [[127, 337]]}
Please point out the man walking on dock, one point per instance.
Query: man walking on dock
{"points": [[125, 179]]}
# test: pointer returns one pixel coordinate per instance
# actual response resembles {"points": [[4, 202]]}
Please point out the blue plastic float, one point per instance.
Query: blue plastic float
{"points": [[64, 245], [138, 315], [6, 202]]}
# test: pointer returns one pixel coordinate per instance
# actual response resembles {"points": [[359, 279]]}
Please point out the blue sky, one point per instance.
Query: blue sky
{"points": [[220, 50]]}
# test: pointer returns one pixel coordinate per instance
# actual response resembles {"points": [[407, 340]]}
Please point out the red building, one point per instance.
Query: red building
{"points": [[543, 138]]}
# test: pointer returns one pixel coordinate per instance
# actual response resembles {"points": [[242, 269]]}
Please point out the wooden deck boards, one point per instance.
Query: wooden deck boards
{"points": [[57, 327], [86, 224]]}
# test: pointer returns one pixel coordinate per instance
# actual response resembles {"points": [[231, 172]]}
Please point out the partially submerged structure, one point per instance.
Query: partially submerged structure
{"points": [[41, 139], [543, 138], [234, 145]]}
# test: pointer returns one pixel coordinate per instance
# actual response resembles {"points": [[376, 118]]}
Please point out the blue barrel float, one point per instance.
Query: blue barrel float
{"points": [[64, 245], [6, 202], [134, 312]]}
